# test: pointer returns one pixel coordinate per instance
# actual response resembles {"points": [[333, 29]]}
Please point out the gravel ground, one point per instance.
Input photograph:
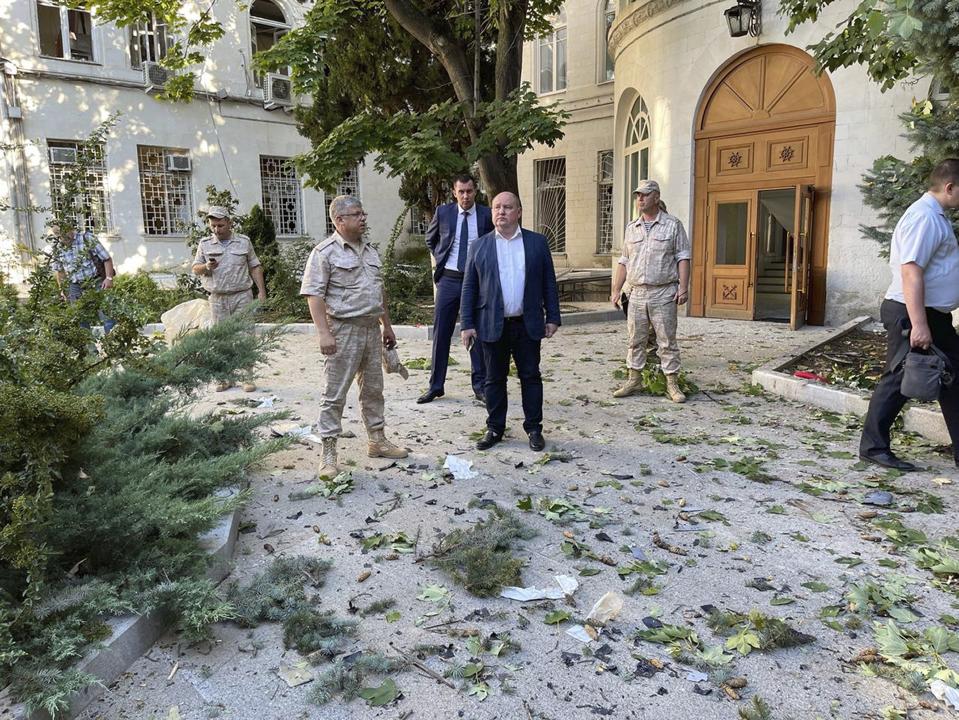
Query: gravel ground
{"points": [[634, 468]]}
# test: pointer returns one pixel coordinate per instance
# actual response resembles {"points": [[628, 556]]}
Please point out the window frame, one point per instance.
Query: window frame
{"points": [[154, 32], [279, 30], [605, 19], [277, 180], [559, 233], [349, 185], [605, 186], [101, 189], [187, 216], [65, 44], [552, 42], [638, 125]]}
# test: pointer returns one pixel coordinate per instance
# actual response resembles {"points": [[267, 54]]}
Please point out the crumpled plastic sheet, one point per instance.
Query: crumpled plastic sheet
{"points": [[565, 585]]}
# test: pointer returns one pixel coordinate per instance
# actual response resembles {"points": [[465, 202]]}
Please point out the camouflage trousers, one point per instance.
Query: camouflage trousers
{"points": [[654, 306], [223, 305], [358, 355]]}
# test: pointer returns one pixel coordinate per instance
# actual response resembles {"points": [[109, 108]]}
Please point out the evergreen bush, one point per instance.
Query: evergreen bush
{"points": [[107, 479]]}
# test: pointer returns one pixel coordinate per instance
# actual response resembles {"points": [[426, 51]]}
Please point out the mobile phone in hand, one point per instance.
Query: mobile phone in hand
{"points": [[470, 343]]}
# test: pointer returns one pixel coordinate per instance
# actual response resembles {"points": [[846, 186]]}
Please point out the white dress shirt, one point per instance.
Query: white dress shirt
{"points": [[511, 257], [452, 260]]}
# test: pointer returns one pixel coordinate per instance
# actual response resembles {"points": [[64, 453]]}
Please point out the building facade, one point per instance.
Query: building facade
{"points": [[758, 155], [65, 73], [567, 190]]}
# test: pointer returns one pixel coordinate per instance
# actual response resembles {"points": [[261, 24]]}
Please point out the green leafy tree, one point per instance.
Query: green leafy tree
{"points": [[895, 40], [262, 233], [430, 88]]}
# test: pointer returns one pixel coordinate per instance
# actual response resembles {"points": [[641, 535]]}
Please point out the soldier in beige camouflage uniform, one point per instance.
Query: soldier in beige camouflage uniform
{"points": [[344, 289], [228, 267], [655, 266]]}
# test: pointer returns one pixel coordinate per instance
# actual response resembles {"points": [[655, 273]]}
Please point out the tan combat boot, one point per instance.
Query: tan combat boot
{"points": [[249, 386], [634, 383], [225, 385], [380, 447], [328, 469], [672, 389]]}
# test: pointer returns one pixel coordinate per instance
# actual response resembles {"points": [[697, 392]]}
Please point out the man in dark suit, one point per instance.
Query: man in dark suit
{"points": [[510, 303], [453, 229]]}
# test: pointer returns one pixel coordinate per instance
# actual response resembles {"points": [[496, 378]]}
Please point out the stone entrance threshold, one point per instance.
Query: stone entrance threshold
{"points": [[926, 421]]}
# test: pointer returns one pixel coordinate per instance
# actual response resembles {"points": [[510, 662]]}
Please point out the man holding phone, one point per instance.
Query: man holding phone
{"points": [[228, 267]]}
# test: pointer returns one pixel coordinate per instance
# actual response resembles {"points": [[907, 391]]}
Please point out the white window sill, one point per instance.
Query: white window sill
{"points": [[551, 93], [92, 63]]}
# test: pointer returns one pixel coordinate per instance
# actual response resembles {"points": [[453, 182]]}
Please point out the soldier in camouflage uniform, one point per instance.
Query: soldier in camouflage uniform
{"points": [[344, 289], [655, 266], [228, 266]]}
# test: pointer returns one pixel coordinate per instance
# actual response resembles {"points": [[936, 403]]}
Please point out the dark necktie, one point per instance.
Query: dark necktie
{"points": [[464, 243]]}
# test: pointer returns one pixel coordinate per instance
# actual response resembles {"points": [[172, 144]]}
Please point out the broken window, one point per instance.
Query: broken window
{"points": [[64, 33], [148, 42], [267, 26]]}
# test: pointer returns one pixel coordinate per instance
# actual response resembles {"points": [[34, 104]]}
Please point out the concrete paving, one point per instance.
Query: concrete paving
{"points": [[664, 457]]}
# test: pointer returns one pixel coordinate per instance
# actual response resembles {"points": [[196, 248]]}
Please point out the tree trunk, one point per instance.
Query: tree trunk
{"points": [[497, 173]]}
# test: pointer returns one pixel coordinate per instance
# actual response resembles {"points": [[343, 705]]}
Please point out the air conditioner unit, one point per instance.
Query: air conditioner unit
{"points": [[63, 155], [178, 163], [277, 92], [155, 76]]}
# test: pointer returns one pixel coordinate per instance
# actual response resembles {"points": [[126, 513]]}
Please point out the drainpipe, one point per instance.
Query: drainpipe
{"points": [[17, 156]]}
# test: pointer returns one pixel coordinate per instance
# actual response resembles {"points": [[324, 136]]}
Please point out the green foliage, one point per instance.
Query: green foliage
{"points": [[479, 558], [262, 233], [407, 286], [283, 299], [107, 479], [894, 40], [758, 709], [141, 296], [347, 676], [278, 595]]}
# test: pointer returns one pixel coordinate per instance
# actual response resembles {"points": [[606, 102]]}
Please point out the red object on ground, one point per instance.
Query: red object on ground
{"points": [[806, 375]]}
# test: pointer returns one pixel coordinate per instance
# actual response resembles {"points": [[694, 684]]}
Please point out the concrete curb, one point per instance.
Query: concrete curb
{"points": [[133, 635], [922, 420], [418, 332]]}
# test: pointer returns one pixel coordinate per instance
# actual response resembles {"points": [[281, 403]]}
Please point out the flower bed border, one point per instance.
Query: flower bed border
{"points": [[924, 421]]}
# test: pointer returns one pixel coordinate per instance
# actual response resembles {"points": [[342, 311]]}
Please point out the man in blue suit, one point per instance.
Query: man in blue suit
{"points": [[452, 231], [510, 303]]}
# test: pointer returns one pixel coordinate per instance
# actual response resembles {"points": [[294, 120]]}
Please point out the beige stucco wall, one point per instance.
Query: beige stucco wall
{"points": [[588, 132], [225, 134], [668, 50]]}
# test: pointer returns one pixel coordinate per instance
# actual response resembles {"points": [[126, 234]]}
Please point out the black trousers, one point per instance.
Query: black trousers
{"points": [[887, 401], [515, 342], [444, 321]]}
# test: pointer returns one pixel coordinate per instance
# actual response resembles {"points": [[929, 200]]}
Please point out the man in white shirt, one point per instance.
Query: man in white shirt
{"points": [[510, 303], [916, 311]]}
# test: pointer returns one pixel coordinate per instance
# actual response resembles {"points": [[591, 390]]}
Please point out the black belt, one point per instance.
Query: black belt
{"points": [[453, 274], [514, 318]]}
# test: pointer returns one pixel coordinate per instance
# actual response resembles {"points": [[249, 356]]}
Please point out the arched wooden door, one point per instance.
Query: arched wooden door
{"points": [[763, 173]]}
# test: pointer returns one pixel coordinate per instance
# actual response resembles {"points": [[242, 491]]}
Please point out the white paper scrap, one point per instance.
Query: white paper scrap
{"points": [[948, 695], [461, 469], [583, 633], [566, 585]]}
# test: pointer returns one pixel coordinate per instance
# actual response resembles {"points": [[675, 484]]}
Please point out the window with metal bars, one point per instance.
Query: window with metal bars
{"points": [[281, 194], [349, 185], [166, 195], [551, 202], [86, 191], [604, 203]]}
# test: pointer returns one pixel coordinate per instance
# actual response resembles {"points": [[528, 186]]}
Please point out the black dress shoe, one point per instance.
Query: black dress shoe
{"points": [[536, 441], [429, 396], [488, 440], [887, 459]]}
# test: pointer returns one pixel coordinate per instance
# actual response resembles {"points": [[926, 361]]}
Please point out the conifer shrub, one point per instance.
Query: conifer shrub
{"points": [[107, 479]]}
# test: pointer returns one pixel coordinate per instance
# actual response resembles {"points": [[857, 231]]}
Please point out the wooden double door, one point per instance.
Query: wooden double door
{"points": [[758, 252]]}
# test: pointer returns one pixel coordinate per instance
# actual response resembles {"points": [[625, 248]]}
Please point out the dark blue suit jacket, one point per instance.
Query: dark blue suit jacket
{"points": [[481, 305], [441, 232]]}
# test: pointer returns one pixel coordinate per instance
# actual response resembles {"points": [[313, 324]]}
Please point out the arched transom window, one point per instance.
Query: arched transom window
{"points": [[636, 152]]}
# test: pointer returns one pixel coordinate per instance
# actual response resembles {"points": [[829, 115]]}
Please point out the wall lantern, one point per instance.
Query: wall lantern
{"points": [[744, 18]]}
